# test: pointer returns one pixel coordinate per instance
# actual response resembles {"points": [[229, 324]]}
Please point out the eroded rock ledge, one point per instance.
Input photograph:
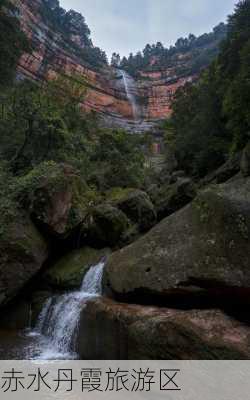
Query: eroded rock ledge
{"points": [[111, 330]]}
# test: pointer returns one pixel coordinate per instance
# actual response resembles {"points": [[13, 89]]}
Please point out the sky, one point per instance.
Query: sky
{"points": [[126, 26]]}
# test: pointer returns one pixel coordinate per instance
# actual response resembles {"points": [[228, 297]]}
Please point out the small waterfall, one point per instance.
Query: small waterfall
{"points": [[130, 85], [59, 319]]}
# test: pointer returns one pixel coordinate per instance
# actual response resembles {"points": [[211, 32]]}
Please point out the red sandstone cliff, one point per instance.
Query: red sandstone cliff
{"points": [[106, 92]]}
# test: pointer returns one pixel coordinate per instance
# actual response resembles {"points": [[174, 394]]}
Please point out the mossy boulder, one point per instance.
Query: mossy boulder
{"points": [[138, 207], [56, 197], [107, 226], [22, 253], [171, 197], [69, 271], [205, 246]]}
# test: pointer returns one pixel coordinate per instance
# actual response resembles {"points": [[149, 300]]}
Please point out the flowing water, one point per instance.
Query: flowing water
{"points": [[130, 88], [55, 334]]}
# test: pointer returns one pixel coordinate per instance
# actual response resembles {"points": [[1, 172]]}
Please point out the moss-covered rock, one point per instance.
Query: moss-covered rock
{"points": [[204, 246], [22, 254], [56, 197], [69, 271], [107, 226], [171, 197], [139, 209]]}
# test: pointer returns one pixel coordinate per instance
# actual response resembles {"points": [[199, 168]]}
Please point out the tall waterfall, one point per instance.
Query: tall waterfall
{"points": [[59, 319], [129, 85]]}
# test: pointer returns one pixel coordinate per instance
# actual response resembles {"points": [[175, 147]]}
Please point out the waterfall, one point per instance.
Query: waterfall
{"points": [[59, 319], [129, 85]]}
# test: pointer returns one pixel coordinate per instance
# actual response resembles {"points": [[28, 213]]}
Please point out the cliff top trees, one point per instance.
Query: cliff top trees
{"points": [[212, 119], [162, 57], [115, 60], [75, 31]]}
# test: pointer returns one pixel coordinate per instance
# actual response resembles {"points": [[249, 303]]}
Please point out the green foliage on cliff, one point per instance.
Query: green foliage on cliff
{"points": [[46, 123], [13, 42], [211, 119], [188, 56], [74, 30]]}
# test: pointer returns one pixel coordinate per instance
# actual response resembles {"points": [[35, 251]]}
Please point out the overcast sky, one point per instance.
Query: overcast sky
{"points": [[127, 26]]}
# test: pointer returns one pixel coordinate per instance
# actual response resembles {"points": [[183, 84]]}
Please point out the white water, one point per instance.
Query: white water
{"points": [[129, 85], [58, 322]]}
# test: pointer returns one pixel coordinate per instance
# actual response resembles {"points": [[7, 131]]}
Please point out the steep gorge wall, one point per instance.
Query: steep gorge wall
{"points": [[106, 94]]}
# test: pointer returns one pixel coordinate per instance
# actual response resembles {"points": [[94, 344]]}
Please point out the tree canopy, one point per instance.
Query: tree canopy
{"points": [[202, 50], [211, 119]]}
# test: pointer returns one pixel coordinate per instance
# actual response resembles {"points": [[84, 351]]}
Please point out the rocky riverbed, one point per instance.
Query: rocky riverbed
{"points": [[178, 288]]}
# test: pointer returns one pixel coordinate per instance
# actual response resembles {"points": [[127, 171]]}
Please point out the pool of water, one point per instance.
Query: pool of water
{"points": [[27, 345]]}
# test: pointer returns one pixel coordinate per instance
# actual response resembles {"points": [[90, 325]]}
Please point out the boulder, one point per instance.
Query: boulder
{"points": [[22, 254], [245, 161], [138, 208], [109, 330], [107, 226], [69, 271], [205, 246], [57, 198], [171, 197]]}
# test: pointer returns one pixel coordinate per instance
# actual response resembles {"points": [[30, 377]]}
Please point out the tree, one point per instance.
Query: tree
{"points": [[40, 122], [115, 60], [204, 49], [120, 160]]}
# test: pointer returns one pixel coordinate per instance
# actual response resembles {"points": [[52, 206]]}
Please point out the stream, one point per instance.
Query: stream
{"points": [[56, 332]]}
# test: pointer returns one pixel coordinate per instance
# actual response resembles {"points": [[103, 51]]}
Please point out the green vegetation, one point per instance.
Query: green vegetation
{"points": [[75, 32], [189, 55], [211, 119], [45, 124], [12, 42], [44, 132]]}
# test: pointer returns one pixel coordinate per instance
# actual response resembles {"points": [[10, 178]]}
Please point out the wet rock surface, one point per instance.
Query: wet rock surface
{"points": [[69, 271], [111, 330]]}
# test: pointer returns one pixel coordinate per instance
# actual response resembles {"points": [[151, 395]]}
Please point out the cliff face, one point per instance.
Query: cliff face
{"points": [[107, 92]]}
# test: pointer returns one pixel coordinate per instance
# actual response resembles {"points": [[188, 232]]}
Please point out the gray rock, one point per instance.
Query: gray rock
{"points": [[169, 198], [206, 244], [107, 226], [22, 254], [68, 272], [138, 208]]}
